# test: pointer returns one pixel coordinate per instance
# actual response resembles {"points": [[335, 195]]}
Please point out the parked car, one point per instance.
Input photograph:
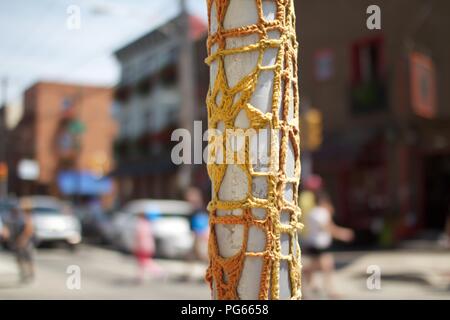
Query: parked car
{"points": [[171, 227], [54, 221], [96, 225]]}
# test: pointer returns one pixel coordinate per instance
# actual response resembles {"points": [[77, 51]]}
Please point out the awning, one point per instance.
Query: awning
{"points": [[83, 183]]}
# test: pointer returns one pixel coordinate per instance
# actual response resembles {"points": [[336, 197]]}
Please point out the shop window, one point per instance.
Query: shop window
{"points": [[168, 75], [368, 89], [122, 94], [144, 86]]}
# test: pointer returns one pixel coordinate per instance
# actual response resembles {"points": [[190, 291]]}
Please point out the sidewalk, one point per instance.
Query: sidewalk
{"points": [[404, 274]]}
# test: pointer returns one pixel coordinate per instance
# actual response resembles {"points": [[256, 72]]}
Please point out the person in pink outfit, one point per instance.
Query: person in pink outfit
{"points": [[145, 248]]}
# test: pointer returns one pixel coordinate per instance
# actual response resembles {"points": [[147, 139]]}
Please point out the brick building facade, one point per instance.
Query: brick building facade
{"points": [[64, 127]]}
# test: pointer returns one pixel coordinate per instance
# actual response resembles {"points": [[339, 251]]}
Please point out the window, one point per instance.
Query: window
{"points": [[122, 94], [148, 118], [66, 103], [368, 91]]}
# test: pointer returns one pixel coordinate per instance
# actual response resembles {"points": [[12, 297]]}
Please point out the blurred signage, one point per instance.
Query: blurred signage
{"points": [[324, 65], [76, 127], [3, 171], [423, 85], [314, 128], [28, 169], [83, 183]]}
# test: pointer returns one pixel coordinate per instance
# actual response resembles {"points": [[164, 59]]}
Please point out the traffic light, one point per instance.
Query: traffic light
{"points": [[314, 128], [3, 171]]}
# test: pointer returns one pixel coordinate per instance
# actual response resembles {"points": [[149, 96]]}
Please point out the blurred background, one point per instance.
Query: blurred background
{"points": [[91, 91]]}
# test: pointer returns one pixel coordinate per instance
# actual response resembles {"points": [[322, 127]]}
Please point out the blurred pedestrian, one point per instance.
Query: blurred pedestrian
{"points": [[447, 229], [199, 224], [144, 249], [322, 230], [21, 235], [307, 201], [444, 240]]}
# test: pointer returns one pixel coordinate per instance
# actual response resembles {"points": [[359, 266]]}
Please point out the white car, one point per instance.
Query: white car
{"points": [[54, 221], [171, 228]]}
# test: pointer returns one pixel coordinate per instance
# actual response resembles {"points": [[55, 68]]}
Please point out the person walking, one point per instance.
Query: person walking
{"points": [[199, 223], [144, 250], [321, 231], [307, 201], [444, 240], [21, 233]]}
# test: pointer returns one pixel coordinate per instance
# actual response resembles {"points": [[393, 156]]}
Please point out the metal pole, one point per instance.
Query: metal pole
{"points": [[254, 213], [187, 89]]}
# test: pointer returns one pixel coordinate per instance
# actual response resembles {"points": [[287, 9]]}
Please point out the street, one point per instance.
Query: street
{"points": [[107, 274]]}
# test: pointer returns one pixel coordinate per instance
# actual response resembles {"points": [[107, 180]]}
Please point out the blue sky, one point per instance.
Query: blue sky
{"points": [[35, 43]]}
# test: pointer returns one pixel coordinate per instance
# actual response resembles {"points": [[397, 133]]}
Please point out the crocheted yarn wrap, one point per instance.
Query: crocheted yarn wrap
{"points": [[224, 103]]}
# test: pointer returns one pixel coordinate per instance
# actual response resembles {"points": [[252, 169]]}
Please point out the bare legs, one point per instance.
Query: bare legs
{"points": [[322, 263], [146, 266], [25, 264]]}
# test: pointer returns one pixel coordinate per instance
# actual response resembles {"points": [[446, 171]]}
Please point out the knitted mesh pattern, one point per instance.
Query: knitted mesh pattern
{"points": [[224, 103]]}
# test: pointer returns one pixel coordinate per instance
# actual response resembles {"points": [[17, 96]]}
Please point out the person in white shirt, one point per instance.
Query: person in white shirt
{"points": [[321, 231]]}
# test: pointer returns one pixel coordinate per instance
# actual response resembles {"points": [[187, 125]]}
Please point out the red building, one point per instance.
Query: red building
{"points": [[64, 128]]}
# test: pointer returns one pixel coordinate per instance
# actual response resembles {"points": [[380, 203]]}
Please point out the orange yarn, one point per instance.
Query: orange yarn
{"points": [[285, 75]]}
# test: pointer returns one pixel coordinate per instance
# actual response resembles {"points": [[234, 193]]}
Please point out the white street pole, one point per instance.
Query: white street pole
{"points": [[234, 186]]}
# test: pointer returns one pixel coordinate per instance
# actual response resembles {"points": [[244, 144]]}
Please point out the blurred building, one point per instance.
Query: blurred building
{"points": [[148, 107], [3, 156], [385, 116], [63, 143]]}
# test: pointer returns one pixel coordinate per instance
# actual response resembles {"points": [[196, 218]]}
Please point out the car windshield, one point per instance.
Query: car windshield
{"points": [[45, 210]]}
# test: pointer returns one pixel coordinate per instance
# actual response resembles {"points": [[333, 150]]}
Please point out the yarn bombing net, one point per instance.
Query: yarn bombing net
{"points": [[224, 103]]}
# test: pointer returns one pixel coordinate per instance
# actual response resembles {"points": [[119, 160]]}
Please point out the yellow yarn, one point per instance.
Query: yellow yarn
{"points": [[285, 72]]}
